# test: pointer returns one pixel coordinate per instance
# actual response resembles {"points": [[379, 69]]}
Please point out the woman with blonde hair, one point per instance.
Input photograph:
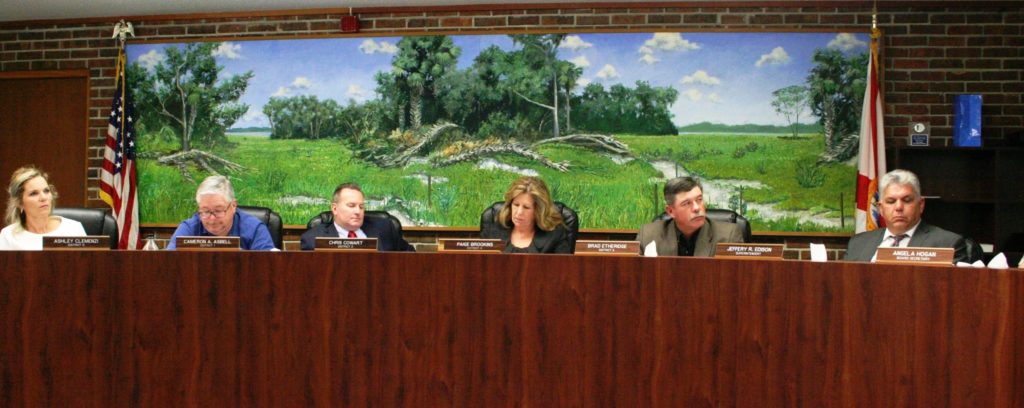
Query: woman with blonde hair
{"points": [[30, 202], [529, 222]]}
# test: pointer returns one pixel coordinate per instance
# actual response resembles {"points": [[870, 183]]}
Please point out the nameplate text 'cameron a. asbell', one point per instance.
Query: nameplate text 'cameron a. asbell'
{"points": [[186, 243]]}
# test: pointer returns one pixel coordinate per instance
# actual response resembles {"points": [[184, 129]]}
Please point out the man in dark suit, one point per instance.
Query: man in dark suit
{"points": [[901, 205], [348, 208], [688, 232]]}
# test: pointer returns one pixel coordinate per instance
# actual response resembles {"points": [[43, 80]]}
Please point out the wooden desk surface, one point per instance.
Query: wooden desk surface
{"points": [[217, 329]]}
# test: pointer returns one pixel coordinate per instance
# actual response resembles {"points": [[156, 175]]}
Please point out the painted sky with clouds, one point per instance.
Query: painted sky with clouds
{"points": [[721, 77]]}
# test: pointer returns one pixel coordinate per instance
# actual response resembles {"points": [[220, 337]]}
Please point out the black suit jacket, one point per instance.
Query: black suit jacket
{"points": [[387, 237], [555, 241], [862, 246]]}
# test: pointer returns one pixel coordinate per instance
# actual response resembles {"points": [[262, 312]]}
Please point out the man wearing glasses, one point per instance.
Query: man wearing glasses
{"points": [[901, 205], [218, 216]]}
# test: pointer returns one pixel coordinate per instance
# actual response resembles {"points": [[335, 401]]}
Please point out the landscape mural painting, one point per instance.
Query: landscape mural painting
{"points": [[435, 127]]}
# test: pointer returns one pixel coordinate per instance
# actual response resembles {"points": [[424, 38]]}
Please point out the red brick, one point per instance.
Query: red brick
{"points": [[836, 19], [985, 41], [765, 19], [983, 64], [557, 20], [700, 18], [628, 19], [56, 55], [944, 41], [29, 36], [592, 20], [910, 87], [925, 98], [457, 22], [963, 52], [928, 29], [801, 19], [925, 53], [664, 19], [176, 30], [230, 28], [325, 25], [949, 19], [201, 29], [490, 21], [523, 20], [299, 27], [389, 23], [1008, 52], [57, 35], [422, 22], [904, 18], [946, 63], [729, 19], [909, 64], [29, 55]]}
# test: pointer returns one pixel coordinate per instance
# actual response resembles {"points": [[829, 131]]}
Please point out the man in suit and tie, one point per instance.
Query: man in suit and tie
{"points": [[348, 208], [688, 232], [901, 205]]}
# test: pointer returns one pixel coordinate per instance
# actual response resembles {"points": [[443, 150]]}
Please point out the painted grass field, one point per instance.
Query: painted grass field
{"points": [[296, 178]]}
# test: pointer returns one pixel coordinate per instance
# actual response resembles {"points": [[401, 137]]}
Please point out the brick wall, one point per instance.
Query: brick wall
{"points": [[929, 53]]}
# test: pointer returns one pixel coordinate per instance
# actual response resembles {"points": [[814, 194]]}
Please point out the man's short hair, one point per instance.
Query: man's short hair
{"points": [[900, 177], [342, 186], [679, 185], [219, 185]]}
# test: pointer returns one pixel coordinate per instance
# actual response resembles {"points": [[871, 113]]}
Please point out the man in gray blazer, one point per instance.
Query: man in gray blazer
{"points": [[901, 205], [688, 232]]}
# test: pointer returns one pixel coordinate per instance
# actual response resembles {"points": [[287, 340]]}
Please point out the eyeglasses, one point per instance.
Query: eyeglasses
{"points": [[212, 214]]}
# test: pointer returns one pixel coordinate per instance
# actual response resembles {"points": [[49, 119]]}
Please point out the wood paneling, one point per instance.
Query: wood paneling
{"points": [[318, 329], [43, 121]]}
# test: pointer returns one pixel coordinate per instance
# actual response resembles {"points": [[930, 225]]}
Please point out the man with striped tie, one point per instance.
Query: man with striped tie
{"points": [[901, 205]]}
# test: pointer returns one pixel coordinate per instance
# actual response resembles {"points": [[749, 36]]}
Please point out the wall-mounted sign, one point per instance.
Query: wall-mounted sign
{"points": [[919, 133]]}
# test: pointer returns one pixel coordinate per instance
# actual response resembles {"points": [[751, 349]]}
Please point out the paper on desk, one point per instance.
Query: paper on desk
{"points": [[651, 249], [818, 253], [998, 262], [976, 264]]}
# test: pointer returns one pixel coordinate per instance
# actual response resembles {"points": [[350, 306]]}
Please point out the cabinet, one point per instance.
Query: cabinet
{"points": [[972, 191]]}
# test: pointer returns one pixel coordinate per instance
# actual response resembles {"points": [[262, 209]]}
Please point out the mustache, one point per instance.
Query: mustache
{"points": [[695, 216]]}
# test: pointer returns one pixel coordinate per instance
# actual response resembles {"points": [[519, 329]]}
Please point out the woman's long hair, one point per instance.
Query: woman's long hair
{"points": [[545, 213], [17, 188]]}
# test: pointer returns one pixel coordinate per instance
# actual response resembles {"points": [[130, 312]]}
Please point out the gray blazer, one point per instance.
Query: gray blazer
{"points": [[665, 234], [862, 246]]}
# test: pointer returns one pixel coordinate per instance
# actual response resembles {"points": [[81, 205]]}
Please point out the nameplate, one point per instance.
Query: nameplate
{"points": [[915, 255], [746, 251], [86, 243], [208, 243], [470, 245], [346, 244], [623, 248]]}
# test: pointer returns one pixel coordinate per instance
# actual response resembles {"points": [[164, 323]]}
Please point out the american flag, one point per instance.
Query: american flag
{"points": [[118, 180]]}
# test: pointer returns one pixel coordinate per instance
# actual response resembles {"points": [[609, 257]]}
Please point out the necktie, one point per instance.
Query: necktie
{"points": [[896, 239], [352, 234]]}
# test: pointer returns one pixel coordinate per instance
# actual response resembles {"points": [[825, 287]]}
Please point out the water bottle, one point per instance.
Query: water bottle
{"points": [[150, 244]]}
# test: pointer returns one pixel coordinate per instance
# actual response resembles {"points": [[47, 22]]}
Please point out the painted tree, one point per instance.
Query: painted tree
{"points": [[537, 69], [836, 90], [419, 63], [185, 92], [790, 102]]}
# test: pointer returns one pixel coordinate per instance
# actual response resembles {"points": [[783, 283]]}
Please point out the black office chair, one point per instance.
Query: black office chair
{"points": [[569, 217], [722, 215], [96, 221], [328, 217], [271, 219]]}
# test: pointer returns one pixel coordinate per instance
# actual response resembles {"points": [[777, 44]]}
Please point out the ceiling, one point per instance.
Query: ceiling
{"points": [[28, 10]]}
